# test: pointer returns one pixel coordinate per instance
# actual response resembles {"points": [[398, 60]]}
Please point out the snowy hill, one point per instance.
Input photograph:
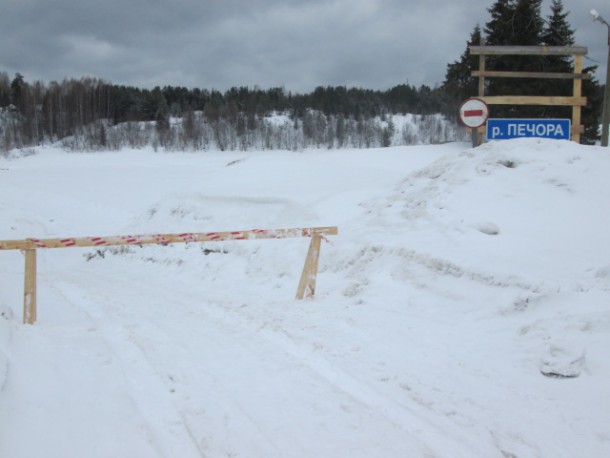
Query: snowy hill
{"points": [[463, 310], [276, 131]]}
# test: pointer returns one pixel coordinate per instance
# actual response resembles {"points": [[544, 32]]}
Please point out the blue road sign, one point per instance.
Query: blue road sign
{"points": [[502, 129]]}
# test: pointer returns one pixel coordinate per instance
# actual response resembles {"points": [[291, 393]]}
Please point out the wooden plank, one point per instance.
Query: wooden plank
{"points": [[477, 134], [481, 75], [164, 239], [529, 50], [577, 92], [543, 75], [13, 244], [307, 284], [29, 289], [534, 100]]}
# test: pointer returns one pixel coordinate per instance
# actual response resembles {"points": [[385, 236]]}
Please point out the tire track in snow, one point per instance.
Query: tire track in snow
{"points": [[254, 345], [443, 267], [148, 342], [397, 412], [141, 384], [161, 330], [178, 314], [401, 415]]}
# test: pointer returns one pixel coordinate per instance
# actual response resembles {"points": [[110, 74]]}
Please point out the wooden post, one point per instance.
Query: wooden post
{"points": [[474, 137], [477, 136], [307, 285], [29, 290], [576, 110]]}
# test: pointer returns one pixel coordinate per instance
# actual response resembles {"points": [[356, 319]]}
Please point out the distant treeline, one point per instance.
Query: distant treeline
{"points": [[93, 114], [87, 111]]}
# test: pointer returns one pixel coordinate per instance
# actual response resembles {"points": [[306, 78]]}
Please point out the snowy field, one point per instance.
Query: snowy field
{"points": [[462, 311]]}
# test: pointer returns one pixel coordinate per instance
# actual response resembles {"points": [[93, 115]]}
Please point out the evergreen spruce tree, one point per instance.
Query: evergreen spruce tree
{"points": [[5, 90], [528, 25], [499, 30], [459, 83], [558, 33], [162, 122], [17, 91], [515, 22]]}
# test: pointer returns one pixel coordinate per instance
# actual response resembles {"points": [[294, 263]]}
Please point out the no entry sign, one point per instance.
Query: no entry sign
{"points": [[474, 113]]}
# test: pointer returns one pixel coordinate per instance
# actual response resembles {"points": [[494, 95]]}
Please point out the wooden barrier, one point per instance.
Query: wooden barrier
{"points": [[306, 288]]}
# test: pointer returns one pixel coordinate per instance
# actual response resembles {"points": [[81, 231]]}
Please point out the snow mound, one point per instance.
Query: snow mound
{"points": [[562, 363], [541, 201]]}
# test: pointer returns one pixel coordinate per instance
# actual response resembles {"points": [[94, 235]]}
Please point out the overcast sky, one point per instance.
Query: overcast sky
{"points": [[297, 44]]}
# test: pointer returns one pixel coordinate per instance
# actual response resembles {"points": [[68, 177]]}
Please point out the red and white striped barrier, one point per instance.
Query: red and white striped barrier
{"points": [[164, 239], [307, 284]]}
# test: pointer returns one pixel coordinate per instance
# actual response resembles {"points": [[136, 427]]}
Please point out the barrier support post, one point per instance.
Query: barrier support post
{"points": [[307, 285], [29, 290]]}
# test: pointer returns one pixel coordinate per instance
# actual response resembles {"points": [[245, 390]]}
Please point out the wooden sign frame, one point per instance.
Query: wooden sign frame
{"points": [[576, 101]]}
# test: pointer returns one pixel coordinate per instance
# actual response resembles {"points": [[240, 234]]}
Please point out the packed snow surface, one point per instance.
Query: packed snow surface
{"points": [[462, 311]]}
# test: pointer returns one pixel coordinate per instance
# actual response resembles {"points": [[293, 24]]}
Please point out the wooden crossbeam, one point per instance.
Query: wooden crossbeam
{"points": [[164, 239], [542, 75], [528, 50], [533, 100]]}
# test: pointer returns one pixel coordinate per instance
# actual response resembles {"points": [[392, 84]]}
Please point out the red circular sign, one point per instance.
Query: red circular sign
{"points": [[474, 113]]}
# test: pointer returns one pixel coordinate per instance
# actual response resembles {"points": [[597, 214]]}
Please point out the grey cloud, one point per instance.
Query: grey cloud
{"points": [[222, 43]]}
